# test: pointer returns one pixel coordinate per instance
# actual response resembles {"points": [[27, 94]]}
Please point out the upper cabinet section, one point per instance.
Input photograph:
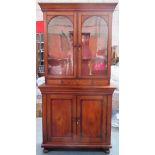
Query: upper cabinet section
{"points": [[77, 42]]}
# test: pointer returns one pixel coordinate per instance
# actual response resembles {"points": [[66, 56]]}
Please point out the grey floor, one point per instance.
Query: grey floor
{"points": [[113, 151]]}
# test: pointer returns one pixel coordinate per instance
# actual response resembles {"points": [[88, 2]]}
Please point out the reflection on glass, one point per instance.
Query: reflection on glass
{"points": [[60, 46], [94, 46]]}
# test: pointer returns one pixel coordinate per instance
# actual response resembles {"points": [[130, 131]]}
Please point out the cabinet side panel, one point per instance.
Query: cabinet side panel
{"points": [[104, 118], [45, 44], [44, 118], [109, 43], [109, 113]]}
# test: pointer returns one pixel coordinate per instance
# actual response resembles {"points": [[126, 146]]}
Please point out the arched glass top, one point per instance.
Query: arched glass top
{"points": [[94, 46], [60, 46]]}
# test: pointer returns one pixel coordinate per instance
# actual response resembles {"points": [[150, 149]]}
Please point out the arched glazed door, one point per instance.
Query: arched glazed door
{"points": [[60, 46], [93, 41]]}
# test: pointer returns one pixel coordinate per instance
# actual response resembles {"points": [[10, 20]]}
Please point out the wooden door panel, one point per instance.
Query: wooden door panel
{"points": [[92, 113], [61, 110]]}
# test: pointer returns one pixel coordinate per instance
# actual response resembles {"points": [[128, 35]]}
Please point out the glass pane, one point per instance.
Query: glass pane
{"points": [[94, 46], [60, 46]]}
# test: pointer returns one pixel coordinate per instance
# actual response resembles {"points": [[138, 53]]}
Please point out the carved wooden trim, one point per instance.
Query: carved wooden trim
{"points": [[77, 6], [49, 18], [104, 17], [82, 82]]}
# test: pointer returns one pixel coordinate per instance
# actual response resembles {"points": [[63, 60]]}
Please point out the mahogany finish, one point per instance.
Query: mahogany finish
{"points": [[76, 107]]}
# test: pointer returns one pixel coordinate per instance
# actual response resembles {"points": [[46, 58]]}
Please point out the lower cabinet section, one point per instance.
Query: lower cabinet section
{"points": [[76, 120]]}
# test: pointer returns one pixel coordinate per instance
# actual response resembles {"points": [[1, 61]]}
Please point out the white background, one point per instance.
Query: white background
{"points": [[18, 66]]}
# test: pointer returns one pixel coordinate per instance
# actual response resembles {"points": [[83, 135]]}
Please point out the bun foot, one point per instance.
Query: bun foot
{"points": [[107, 151], [45, 150]]}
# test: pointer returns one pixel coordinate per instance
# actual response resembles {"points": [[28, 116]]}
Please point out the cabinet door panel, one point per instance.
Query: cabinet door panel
{"points": [[61, 110], [91, 111]]}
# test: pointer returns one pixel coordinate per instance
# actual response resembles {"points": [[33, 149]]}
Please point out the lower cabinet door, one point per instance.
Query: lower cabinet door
{"points": [[61, 111], [91, 115]]}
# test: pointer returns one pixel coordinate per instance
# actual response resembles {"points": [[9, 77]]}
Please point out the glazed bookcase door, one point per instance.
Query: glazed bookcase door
{"points": [[61, 38], [93, 45]]}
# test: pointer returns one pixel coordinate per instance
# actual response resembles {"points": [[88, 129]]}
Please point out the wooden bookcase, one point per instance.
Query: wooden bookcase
{"points": [[77, 95]]}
